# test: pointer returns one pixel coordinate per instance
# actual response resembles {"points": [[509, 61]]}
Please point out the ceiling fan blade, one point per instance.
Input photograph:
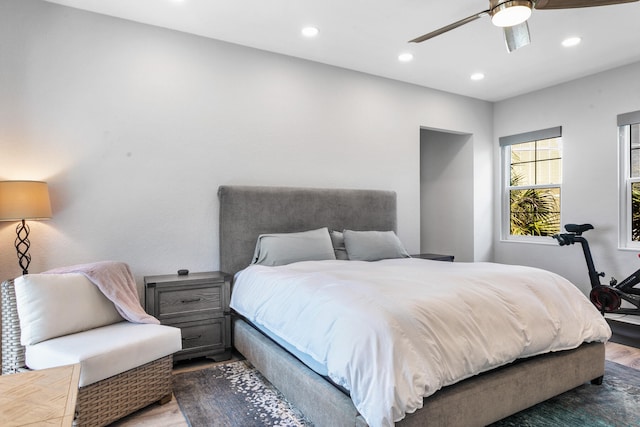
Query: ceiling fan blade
{"points": [[449, 27], [570, 4], [517, 36]]}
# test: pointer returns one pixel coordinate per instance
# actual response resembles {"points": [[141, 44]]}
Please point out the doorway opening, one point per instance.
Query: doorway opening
{"points": [[446, 194]]}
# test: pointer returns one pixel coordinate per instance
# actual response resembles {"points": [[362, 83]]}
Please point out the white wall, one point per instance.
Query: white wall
{"points": [[135, 127], [586, 109]]}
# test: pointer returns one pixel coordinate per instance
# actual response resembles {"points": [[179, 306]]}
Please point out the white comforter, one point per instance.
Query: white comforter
{"points": [[394, 331]]}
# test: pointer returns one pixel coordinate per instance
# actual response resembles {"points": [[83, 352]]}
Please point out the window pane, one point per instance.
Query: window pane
{"points": [[548, 149], [635, 151], [635, 211], [523, 168], [535, 212], [525, 152], [523, 174], [549, 172], [635, 163]]}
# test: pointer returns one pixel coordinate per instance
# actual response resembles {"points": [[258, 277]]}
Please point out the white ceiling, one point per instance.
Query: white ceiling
{"points": [[368, 36]]}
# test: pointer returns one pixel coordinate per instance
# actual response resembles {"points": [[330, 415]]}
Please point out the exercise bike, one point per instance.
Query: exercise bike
{"points": [[606, 298]]}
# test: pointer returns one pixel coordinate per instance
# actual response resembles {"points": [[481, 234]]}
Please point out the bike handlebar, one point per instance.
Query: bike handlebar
{"points": [[565, 239], [574, 231]]}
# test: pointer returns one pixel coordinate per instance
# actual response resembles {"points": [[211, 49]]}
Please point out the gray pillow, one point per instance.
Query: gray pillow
{"points": [[337, 239], [285, 248], [373, 245]]}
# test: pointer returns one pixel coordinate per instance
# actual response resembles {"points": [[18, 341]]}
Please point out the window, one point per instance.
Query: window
{"points": [[629, 135], [532, 179]]}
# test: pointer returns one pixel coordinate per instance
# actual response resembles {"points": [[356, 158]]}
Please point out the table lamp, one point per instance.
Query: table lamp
{"points": [[19, 201]]}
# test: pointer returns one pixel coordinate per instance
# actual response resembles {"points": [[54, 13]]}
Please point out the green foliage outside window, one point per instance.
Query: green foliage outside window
{"points": [[634, 157], [535, 212], [635, 212]]}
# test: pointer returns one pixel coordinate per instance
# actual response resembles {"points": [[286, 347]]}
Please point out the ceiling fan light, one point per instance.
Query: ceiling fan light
{"points": [[510, 13]]}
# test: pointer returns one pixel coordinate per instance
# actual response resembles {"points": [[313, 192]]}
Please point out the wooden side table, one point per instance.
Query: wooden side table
{"points": [[436, 257], [42, 397], [198, 304]]}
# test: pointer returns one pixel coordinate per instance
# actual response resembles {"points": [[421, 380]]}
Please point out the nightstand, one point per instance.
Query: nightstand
{"points": [[436, 257], [198, 304]]}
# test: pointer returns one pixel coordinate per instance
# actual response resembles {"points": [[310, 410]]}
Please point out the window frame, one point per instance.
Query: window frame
{"points": [[626, 181], [506, 187]]}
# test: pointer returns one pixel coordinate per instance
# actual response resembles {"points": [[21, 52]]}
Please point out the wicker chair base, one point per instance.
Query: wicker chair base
{"points": [[108, 400], [12, 351]]}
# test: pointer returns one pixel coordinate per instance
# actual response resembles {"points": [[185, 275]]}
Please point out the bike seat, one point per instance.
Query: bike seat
{"points": [[578, 228]]}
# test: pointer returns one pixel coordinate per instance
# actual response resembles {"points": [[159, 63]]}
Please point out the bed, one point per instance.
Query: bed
{"points": [[247, 212]]}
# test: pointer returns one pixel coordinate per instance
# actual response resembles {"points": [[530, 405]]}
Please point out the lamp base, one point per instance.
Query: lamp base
{"points": [[22, 246]]}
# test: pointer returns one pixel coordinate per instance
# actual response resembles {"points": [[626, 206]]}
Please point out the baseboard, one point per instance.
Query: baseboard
{"points": [[625, 333]]}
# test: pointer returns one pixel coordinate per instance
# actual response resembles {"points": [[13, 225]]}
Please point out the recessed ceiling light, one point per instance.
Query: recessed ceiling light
{"points": [[571, 41], [477, 76], [405, 57], [309, 31]]}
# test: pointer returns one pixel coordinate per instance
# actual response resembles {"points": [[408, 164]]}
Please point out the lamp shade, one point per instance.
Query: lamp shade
{"points": [[24, 200]]}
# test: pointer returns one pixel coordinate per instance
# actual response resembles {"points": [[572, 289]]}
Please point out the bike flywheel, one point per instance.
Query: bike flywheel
{"points": [[605, 298]]}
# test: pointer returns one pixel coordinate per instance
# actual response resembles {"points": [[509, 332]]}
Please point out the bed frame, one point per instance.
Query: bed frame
{"points": [[246, 212]]}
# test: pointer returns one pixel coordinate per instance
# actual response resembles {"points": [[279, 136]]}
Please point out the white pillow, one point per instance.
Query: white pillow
{"points": [[285, 248], [53, 305]]}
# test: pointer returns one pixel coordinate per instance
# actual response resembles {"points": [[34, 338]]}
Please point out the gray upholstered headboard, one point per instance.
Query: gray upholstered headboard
{"points": [[246, 212]]}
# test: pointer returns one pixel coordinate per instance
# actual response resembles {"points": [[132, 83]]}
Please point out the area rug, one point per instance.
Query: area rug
{"points": [[615, 403], [233, 394], [236, 394]]}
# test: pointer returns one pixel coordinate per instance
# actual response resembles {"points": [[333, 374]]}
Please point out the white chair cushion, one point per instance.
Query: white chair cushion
{"points": [[52, 305], [106, 351]]}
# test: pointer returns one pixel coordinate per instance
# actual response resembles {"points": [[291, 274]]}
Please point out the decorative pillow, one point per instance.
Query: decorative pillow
{"points": [[285, 248], [373, 245], [337, 240], [53, 305]]}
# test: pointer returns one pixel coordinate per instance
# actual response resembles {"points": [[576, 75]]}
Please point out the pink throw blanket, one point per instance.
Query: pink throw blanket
{"points": [[115, 281]]}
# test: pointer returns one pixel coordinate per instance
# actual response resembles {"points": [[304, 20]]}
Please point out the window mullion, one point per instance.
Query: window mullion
{"points": [[535, 163], [533, 187]]}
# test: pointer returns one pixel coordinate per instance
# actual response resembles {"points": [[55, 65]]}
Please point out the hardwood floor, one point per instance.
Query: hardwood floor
{"points": [[169, 415], [623, 354]]}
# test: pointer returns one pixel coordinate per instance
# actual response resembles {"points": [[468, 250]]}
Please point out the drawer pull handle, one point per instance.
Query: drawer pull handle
{"points": [[191, 338], [184, 301]]}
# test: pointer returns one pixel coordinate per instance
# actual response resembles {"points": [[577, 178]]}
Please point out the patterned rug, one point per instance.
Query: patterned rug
{"points": [[236, 394], [615, 403], [233, 394]]}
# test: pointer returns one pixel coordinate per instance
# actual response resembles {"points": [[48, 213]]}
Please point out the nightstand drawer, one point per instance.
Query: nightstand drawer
{"points": [[202, 338], [201, 334], [190, 301]]}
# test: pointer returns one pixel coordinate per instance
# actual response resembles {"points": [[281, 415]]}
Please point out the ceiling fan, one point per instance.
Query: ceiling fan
{"points": [[512, 16]]}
